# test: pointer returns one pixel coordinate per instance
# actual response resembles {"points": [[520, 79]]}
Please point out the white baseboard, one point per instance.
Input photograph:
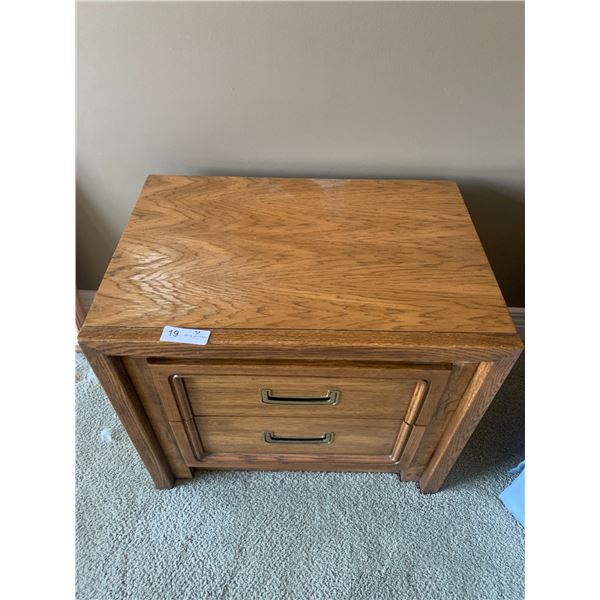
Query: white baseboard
{"points": [[518, 316], [87, 297], [517, 313]]}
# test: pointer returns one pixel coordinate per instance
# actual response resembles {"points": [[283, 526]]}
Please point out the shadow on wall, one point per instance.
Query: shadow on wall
{"points": [[498, 213], [499, 217], [93, 240], [499, 439]]}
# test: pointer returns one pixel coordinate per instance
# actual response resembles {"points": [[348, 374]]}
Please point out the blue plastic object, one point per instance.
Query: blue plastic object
{"points": [[513, 497]]}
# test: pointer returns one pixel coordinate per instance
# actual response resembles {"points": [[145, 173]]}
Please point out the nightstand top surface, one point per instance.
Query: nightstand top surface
{"points": [[300, 254]]}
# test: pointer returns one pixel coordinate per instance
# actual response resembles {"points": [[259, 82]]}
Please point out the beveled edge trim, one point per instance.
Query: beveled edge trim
{"points": [[248, 460], [410, 433], [400, 441], [187, 417], [323, 466], [475, 400], [416, 402], [181, 397], [141, 341], [122, 394]]}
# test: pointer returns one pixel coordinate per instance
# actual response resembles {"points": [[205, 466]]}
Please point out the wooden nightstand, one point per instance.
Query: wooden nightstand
{"points": [[356, 325]]}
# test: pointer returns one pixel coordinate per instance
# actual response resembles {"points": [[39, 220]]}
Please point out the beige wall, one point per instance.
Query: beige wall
{"points": [[418, 90]]}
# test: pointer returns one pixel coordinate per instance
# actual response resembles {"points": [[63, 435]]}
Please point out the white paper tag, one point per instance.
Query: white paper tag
{"points": [[185, 336]]}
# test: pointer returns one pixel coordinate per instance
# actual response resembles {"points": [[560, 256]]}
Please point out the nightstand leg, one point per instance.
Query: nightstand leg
{"points": [[486, 381], [114, 379], [404, 476]]}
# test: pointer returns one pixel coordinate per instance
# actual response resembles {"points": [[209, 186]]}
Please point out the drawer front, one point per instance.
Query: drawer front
{"points": [[268, 435], [289, 391], [369, 414], [298, 396]]}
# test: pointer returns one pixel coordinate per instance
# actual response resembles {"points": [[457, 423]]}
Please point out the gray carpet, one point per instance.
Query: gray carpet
{"points": [[306, 536]]}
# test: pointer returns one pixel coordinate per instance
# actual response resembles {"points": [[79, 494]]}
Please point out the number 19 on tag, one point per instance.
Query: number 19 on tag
{"points": [[185, 336]]}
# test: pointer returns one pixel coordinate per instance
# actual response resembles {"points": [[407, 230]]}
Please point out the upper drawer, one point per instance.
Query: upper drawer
{"points": [[293, 390]]}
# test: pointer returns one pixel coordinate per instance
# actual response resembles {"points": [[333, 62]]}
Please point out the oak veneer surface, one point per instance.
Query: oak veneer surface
{"points": [[378, 289], [219, 395], [236, 389], [361, 437], [300, 254]]}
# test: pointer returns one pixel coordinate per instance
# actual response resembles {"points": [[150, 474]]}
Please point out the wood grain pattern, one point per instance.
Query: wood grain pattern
{"points": [[80, 311], [295, 462], [377, 287], [240, 435], [141, 379], [412, 445], [117, 385], [406, 395], [481, 391], [302, 345], [218, 395], [376, 391], [264, 253], [461, 375]]}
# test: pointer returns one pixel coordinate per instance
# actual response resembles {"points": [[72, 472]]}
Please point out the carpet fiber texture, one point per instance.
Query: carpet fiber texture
{"points": [[251, 535]]}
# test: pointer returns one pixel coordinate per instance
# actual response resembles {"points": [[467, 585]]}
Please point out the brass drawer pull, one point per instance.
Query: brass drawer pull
{"points": [[272, 438], [332, 397]]}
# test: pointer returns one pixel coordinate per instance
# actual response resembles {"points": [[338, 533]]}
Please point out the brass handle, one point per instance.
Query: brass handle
{"points": [[332, 397], [272, 438]]}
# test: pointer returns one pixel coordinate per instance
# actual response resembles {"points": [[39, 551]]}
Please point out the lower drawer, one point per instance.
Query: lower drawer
{"points": [[263, 435], [304, 413]]}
